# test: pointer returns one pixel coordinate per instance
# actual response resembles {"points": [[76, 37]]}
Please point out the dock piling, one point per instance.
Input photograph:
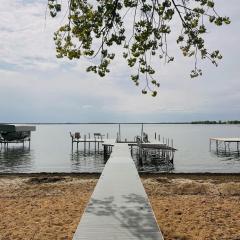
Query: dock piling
{"points": [[89, 143], [84, 143], [95, 143], [119, 132]]}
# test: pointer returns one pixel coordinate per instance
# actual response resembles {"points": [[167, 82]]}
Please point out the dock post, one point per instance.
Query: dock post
{"points": [[95, 144], [172, 157], [217, 146], [84, 143], [155, 136], [142, 133], [105, 152], [72, 140], [159, 137], [140, 160], [89, 146], [77, 144], [98, 145], [210, 144], [119, 132]]}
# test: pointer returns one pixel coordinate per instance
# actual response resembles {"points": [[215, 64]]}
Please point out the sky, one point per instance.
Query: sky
{"points": [[37, 87]]}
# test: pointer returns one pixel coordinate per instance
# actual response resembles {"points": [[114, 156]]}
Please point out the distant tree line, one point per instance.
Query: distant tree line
{"points": [[216, 122]]}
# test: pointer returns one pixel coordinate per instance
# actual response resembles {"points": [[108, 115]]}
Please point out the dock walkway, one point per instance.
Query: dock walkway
{"points": [[119, 208]]}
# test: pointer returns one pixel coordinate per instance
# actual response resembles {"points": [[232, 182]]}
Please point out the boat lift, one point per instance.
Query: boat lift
{"points": [[10, 133]]}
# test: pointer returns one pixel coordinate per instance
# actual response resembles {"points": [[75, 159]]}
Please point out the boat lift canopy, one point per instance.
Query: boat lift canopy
{"points": [[14, 128], [13, 133]]}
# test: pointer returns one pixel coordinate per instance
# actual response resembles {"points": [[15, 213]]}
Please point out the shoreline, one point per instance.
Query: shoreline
{"points": [[72, 174]]}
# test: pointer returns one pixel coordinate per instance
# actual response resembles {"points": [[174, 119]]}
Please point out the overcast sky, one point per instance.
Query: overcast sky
{"points": [[37, 87]]}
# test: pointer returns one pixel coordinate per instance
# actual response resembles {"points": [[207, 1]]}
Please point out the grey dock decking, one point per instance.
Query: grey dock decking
{"points": [[236, 139], [119, 208]]}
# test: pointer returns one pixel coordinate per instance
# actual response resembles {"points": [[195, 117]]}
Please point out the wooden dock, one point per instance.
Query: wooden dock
{"points": [[119, 208]]}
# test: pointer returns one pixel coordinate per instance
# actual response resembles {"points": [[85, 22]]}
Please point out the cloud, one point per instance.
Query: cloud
{"points": [[26, 36]]}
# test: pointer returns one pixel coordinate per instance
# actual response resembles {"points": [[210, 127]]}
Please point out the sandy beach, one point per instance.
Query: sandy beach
{"points": [[196, 207], [186, 206]]}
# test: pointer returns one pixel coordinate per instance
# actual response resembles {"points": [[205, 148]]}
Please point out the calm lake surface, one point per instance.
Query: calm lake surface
{"points": [[51, 148]]}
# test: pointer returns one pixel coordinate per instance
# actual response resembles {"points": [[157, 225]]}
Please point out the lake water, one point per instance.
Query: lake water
{"points": [[51, 148]]}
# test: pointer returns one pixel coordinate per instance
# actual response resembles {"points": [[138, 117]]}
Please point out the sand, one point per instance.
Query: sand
{"points": [[186, 206], [196, 207], [36, 208]]}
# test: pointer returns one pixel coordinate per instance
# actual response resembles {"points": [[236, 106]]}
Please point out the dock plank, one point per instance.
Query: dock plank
{"points": [[119, 207]]}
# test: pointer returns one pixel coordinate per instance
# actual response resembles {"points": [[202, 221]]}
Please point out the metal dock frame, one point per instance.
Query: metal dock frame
{"points": [[226, 143]]}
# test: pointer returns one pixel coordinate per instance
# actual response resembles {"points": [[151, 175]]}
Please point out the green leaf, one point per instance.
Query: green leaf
{"points": [[210, 4], [154, 93]]}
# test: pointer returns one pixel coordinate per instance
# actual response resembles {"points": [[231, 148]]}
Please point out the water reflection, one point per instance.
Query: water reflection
{"points": [[15, 159], [87, 161], [228, 157]]}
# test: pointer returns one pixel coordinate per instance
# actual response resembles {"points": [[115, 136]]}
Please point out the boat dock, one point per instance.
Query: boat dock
{"points": [[119, 207], [154, 152], [97, 139], [225, 145]]}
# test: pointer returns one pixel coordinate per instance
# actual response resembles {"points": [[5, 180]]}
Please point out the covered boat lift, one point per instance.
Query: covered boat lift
{"points": [[10, 133]]}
